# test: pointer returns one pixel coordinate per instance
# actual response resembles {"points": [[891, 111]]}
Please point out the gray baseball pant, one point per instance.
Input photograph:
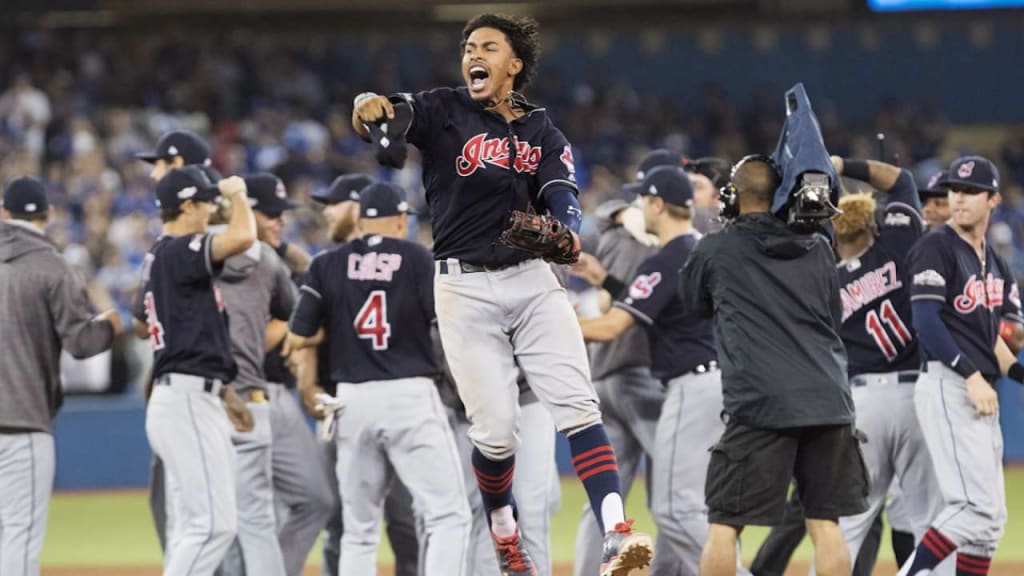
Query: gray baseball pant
{"points": [[27, 467]]}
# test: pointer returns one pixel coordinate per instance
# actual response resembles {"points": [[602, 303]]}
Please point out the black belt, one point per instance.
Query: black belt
{"points": [[164, 380], [696, 370], [903, 377], [469, 268]]}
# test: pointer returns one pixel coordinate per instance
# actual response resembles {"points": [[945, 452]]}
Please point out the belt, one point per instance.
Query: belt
{"points": [[698, 369], [449, 266], [190, 382], [939, 367], [903, 377]]}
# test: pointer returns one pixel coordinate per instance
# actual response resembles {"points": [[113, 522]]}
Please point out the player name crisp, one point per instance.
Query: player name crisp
{"points": [[373, 266], [479, 150], [869, 287]]}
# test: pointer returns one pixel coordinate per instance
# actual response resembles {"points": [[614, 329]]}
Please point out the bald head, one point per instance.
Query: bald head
{"points": [[755, 182]]}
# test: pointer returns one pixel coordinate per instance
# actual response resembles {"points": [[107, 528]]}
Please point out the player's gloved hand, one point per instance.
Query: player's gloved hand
{"points": [[370, 109], [238, 412], [542, 236], [309, 401], [982, 396]]}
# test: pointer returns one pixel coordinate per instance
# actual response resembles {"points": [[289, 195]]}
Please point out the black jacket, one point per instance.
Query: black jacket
{"points": [[774, 296]]}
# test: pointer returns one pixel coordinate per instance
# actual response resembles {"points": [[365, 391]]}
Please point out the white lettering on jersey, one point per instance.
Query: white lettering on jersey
{"points": [[987, 293], [373, 266], [897, 219], [869, 287], [929, 278]]}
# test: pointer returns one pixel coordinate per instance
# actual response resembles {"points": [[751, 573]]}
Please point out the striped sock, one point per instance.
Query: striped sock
{"points": [[594, 460], [494, 480], [934, 548], [967, 565]]}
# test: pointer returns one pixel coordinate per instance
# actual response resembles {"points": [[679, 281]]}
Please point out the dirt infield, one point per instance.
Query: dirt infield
{"points": [[795, 569]]}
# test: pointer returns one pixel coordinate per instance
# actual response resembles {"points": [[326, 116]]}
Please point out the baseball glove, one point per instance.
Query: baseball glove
{"points": [[541, 235]]}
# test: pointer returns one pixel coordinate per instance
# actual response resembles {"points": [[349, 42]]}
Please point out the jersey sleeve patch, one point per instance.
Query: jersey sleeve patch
{"points": [[929, 278], [643, 286]]}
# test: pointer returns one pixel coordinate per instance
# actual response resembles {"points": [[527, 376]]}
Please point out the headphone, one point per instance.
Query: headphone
{"points": [[728, 194]]}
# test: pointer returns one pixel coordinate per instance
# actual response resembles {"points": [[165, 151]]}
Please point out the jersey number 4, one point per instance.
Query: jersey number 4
{"points": [[372, 320], [874, 323]]}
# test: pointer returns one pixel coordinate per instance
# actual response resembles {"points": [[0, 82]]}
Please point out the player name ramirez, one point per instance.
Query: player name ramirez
{"points": [[869, 287]]}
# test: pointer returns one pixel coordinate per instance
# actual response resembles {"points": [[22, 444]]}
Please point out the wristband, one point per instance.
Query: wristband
{"points": [[281, 249], [362, 97], [613, 285], [856, 169], [1016, 373], [963, 366]]}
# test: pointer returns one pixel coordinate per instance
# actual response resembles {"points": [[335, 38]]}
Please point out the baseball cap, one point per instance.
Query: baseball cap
{"points": [[185, 183], [655, 158], [382, 199], [718, 170], [344, 187], [182, 143], [389, 137], [670, 183], [267, 194], [973, 172], [25, 196], [937, 186]]}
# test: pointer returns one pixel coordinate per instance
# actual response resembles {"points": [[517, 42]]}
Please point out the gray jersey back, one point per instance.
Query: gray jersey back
{"points": [[254, 291], [621, 255]]}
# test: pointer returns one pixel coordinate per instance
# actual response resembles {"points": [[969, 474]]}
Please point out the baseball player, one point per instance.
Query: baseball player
{"points": [[341, 210], [883, 350], [182, 310], [934, 200], [44, 309], [683, 359], [774, 297], [489, 158], [960, 289], [256, 289], [374, 296], [174, 149]]}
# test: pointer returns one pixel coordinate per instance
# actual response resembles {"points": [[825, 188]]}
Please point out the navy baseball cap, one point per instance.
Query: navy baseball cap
{"points": [[25, 196], [937, 186], [344, 187], [182, 143], [185, 183], [382, 199], [670, 183], [655, 158], [389, 137], [973, 172], [267, 194], [718, 170]]}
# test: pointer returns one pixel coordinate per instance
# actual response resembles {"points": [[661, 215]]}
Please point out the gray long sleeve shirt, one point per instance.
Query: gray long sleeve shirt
{"points": [[256, 287], [621, 254], [43, 308]]}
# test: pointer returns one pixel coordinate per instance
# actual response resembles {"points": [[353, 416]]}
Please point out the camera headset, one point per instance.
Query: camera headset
{"points": [[728, 195]]}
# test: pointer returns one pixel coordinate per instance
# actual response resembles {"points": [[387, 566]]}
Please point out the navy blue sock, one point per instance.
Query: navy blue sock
{"points": [[934, 548], [594, 460], [967, 565], [494, 478]]}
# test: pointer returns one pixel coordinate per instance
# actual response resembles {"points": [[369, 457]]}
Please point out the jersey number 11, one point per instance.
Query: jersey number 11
{"points": [[874, 324]]}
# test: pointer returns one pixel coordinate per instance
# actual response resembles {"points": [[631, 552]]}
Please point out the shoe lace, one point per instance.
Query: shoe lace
{"points": [[513, 555]]}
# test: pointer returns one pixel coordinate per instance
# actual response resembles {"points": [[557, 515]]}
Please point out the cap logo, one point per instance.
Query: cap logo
{"points": [[279, 191], [653, 190], [934, 180], [371, 212], [966, 169], [403, 206], [30, 207], [186, 193], [354, 195], [172, 151], [253, 202], [640, 174]]}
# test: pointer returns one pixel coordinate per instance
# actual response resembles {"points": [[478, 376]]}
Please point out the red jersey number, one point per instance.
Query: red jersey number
{"points": [[372, 320], [156, 329]]}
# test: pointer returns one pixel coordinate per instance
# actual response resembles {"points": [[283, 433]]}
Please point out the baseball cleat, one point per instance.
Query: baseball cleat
{"points": [[625, 550], [513, 559]]}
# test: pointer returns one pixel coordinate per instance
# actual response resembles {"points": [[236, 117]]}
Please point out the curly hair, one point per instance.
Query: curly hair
{"points": [[858, 215], [523, 34]]}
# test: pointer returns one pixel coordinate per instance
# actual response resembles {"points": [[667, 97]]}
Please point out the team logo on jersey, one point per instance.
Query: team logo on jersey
{"points": [[966, 169], [929, 278], [987, 293], [643, 286], [481, 150], [869, 287], [570, 163]]}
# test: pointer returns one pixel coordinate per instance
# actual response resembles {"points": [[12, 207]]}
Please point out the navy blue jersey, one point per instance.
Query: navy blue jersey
{"points": [[975, 294], [875, 291], [679, 341], [181, 304], [471, 189], [375, 296]]}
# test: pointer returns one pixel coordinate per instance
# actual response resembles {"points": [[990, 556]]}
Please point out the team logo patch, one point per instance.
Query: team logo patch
{"points": [[280, 192], [480, 150], [986, 293], [897, 219], [929, 278], [570, 163], [643, 286], [966, 169]]}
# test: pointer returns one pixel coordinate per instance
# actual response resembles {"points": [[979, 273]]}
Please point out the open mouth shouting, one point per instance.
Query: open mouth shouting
{"points": [[478, 76]]}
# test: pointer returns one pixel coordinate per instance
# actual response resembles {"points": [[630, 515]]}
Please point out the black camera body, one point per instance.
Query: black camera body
{"points": [[811, 206]]}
